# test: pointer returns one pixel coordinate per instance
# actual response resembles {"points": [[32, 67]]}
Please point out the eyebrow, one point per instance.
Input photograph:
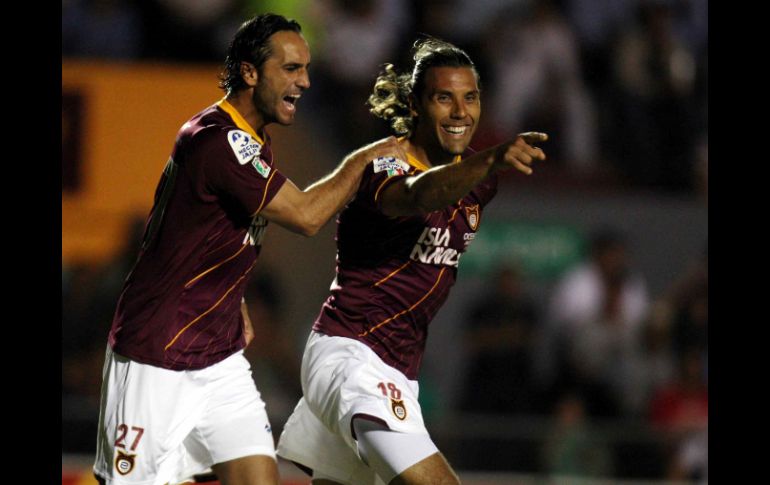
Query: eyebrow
{"points": [[445, 91]]}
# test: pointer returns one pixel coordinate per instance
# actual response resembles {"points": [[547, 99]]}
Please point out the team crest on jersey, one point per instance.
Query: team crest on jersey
{"points": [[398, 408], [472, 214], [393, 166], [245, 147], [124, 463]]}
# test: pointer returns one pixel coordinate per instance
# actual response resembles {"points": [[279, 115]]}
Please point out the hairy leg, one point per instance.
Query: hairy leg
{"points": [[249, 470]]}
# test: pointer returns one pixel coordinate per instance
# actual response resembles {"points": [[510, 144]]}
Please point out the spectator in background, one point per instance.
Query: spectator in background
{"points": [[357, 36], [498, 341], [570, 449], [680, 410], [535, 67], [655, 122], [593, 329]]}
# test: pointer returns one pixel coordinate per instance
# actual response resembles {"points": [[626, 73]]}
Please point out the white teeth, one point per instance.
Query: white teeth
{"points": [[456, 130]]}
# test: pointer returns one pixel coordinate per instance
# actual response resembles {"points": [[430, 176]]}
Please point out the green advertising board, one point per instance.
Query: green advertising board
{"points": [[542, 250]]}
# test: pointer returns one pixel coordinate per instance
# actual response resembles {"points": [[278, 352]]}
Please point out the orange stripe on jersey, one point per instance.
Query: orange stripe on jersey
{"points": [[264, 195], [210, 309], [453, 215], [393, 273], [377, 192], [214, 267], [441, 273], [239, 120]]}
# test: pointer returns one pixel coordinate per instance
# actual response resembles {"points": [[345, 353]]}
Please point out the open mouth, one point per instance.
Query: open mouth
{"points": [[455, 130], [291, 102]]}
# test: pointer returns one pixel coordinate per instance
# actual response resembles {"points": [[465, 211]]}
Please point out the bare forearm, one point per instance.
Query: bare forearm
{"points": [[445, 185], [306, 211], [441, 186], [328, 195]]}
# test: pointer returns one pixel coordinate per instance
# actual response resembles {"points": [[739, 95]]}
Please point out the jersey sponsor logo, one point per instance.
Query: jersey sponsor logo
{"points": [[262, 168], [244, 146], [124, 463], [393, 166], [256, 232], [433, 248], [398, 408], [473, 216]]}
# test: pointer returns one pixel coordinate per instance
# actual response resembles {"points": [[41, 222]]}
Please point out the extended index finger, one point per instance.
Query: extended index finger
{"points": [[532, 137]]}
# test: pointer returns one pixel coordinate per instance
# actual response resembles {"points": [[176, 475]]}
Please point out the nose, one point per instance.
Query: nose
{"points": [[303, 80], [458, 109]]}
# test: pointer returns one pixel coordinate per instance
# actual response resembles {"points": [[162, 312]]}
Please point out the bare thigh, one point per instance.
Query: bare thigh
{"points": [[433, 470], [249, 470]]}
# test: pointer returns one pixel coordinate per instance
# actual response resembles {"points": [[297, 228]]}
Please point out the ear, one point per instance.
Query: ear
{"points": [[249, 74], [412, 105]]}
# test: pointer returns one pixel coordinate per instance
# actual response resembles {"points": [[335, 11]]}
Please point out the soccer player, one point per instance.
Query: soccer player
{"points": [[177, 393], [399, 244]]}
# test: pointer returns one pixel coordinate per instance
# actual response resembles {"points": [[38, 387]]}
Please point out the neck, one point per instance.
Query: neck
{"points": [[243, 103], [430, 156]]}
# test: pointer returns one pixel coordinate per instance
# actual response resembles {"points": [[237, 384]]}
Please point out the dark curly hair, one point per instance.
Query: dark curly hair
{"points": [[251, 44], [390, 97]]}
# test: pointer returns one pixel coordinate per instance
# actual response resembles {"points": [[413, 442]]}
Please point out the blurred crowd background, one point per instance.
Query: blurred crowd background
{"points": [[575, 342]]}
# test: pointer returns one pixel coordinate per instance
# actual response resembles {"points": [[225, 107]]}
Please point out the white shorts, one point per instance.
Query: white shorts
{"points": [[341, 379], [160, 426]]}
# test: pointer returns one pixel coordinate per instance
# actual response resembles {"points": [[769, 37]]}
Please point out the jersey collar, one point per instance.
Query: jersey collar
{"points": [[240, 122]]}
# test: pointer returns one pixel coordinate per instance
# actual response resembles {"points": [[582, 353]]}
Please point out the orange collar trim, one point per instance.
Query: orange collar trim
{"points": [[240, 122]]}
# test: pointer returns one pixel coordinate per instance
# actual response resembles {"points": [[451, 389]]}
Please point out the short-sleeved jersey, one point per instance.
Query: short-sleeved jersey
{"points": [[394, 273], [180, 305]]}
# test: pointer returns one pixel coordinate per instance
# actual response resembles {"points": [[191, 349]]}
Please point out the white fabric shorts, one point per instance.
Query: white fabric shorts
{"points": [[160, 426], [341, 379]]}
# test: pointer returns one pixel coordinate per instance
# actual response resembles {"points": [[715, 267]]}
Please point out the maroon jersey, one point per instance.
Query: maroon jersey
{"points": [[394, 273], [180, 305]]}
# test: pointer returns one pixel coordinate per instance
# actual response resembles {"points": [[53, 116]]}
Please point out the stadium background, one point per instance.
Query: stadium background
{"points": [[621, 87]]}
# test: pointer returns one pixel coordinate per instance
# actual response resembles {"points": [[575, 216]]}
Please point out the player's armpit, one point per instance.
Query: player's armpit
{"points": [[396, 199]]}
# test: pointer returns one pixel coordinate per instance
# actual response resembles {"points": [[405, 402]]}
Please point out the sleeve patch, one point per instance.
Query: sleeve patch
{"points": [[393, 166], [245, 147], [261, 166]]}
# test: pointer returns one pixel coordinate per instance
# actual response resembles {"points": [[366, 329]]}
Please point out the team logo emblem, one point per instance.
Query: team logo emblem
{"points": [[244, 146], [124, 463], [472, 214], [398, 408]]}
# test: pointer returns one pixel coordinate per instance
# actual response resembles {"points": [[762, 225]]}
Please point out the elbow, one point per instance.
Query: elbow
{"points": [[310, 230], [309, 226]]}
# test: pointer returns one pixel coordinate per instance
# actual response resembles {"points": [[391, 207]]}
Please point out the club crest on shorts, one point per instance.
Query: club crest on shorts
{"points": [[398, 408], [472, 214], [124, 463]]}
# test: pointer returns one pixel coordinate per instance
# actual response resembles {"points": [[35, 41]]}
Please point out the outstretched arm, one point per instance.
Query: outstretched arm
{"points": [[306, 211], [441, 186]]}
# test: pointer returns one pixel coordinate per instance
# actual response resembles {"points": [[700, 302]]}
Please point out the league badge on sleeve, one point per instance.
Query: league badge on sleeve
{"points": [[261, 166], [393, 166], [244, 146]]}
